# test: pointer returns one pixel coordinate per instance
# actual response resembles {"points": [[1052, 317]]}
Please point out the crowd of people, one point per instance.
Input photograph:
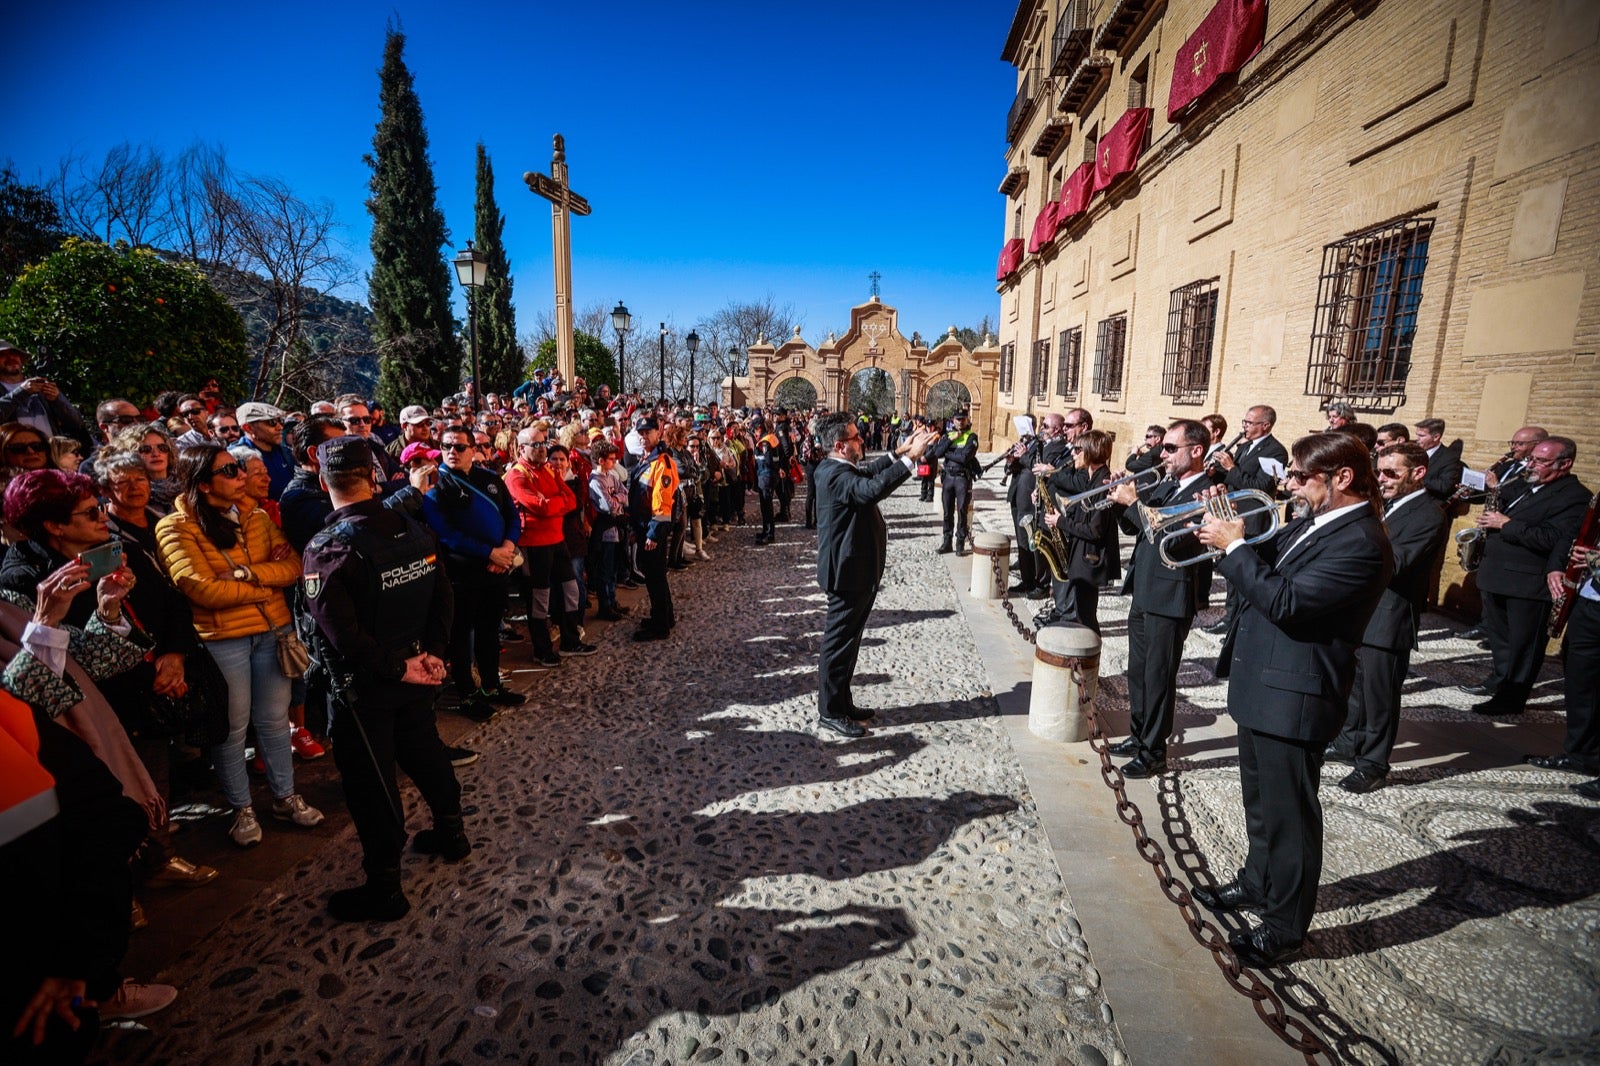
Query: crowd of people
{"points": [[200, 588], [198, 584]]}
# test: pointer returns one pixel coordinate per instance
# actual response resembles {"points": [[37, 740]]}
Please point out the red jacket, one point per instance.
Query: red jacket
{"points": [[542, 498]]}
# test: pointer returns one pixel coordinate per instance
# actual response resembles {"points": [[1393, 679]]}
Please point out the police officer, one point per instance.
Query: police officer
{"points": [[959, 450], [769, 461], [381, 606]]}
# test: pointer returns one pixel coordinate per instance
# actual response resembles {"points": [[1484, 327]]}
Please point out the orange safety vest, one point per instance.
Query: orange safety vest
{"points": [[27, 790]]}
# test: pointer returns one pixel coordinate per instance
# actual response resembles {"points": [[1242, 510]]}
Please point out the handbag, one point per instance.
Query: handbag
{"points": [[924, 470]]}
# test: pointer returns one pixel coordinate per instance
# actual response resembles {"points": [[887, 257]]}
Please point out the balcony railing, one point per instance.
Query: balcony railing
{"points": [[1022, 106], [1071, 38]]}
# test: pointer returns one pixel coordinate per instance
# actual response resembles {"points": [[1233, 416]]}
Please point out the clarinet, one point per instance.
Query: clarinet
{"points": [[1229, 449]]}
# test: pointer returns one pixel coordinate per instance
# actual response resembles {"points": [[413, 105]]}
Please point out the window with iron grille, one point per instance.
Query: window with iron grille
{"points": [[1108, 357], [1008, 358], [1366, 318], [1191, 329], [1138, 85], [1069, 360], [1039, 370]]}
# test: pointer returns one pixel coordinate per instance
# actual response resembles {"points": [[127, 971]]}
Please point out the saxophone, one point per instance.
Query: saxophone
{"points": [[1470, 542], [1047, 540]]}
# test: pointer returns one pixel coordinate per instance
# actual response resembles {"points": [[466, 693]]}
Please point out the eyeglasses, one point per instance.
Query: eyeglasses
{"points": [[227, 470], [1537, 461], [151, 449], [357, 420], [1296, 477], [1071, 425], [456, 447], [28, 446], [1391, 475], [94, 510], [1252, 422]]}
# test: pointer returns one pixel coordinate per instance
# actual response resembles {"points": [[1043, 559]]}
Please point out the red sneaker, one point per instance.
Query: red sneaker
{"points": [[305, 745]]}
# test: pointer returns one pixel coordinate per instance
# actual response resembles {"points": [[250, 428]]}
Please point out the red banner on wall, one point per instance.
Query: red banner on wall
{"points": [[1118, 151], [1044, 228], [1075, 193], [1010, 259], [1227, 37]]}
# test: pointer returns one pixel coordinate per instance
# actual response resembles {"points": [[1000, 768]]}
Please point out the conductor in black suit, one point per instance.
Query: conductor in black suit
{"points": [[1290, 658], [852, 542], [1525, 540], [1164, 601], [1417, 528]]}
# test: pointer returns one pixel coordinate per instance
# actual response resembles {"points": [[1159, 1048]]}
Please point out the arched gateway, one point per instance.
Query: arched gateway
{"points": [[921, 378]]}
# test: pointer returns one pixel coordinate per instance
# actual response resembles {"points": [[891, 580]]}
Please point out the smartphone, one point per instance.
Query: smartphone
{"points": [[102, 560]]}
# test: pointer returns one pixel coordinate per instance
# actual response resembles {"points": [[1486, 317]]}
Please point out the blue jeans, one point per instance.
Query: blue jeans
{"points": [[604, 555], [257, 692]]}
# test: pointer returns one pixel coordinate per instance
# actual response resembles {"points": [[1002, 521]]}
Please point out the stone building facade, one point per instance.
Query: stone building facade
{"points": [[925, 377], [1393, 203]]}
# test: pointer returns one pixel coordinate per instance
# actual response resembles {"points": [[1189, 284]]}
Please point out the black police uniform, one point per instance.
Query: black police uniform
{"points": [[378, 596], [959, 451]]}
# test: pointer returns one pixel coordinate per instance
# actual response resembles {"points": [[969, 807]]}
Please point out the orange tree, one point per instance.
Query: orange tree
{"points": [[118, 321]]}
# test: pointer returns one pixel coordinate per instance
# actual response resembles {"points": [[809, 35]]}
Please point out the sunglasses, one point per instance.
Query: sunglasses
{"points": [[456, 447], [151, 449], [357, 420], [268, 422], [1391, 475], [28, 446], [1296, 477], [1168, 449], [190, 412], [227, 470]]}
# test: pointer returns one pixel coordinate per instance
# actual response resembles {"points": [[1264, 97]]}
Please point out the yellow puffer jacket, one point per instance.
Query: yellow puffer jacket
{"points": [[225, 607]]}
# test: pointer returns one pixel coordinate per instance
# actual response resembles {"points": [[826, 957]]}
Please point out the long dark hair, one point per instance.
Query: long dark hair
{"points": [[194, 474], [1327, 452]]}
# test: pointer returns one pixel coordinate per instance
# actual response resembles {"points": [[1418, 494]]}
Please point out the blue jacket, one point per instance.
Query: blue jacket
{"points": [[471, 515]]}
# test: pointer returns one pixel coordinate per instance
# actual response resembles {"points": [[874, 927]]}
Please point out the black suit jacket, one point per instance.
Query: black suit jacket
{"points": [[1444, 472], [1023, 480], [1247, 474], [1175, 592], [1094, 551], [1417, 534], [852, 540], [1291, 655], [1518, 555]]}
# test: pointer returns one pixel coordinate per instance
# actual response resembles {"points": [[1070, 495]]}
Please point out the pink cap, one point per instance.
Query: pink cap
{"points": [[418, 448]]}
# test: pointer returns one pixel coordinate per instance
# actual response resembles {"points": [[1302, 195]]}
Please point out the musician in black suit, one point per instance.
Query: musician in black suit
{"points": [[1164, 601], [1290, 659], [1044, 450], [1525, 540], [1581, 674], [852, 543], [1240, 469], [1444, 461], [1417, 528], [1093, 553]]}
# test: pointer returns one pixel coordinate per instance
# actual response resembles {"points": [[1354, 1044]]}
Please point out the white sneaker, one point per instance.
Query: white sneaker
{"points": [[705, 555], [246, 831], [294, 808], [135, 1000]]}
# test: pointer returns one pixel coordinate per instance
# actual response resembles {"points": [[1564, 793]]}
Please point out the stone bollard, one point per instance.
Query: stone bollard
{"points": [[985, 548], [1066, 672]]}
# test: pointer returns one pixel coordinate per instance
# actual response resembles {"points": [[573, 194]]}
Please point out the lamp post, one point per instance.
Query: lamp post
{"points": [[692, 342], [472, 270], [663, 383], [621, 322], [733, 371]]}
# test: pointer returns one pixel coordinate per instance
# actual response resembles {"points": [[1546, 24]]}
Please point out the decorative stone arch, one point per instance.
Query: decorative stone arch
{"points": [[874, 341]]}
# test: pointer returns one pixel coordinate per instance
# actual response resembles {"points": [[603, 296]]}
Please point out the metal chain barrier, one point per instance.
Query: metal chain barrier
{"points": [[1268, 1006]]}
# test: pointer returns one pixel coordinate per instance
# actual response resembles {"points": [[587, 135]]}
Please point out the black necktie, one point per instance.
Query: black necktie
{"points": [[1292, 536]]}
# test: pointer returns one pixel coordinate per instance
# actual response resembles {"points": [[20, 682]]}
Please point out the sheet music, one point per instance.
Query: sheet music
{"points": [[1473, 479], [1271, 466], [1024, 424]]}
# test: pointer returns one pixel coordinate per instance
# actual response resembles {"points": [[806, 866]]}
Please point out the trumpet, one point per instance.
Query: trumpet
{"points": [[1163, 525], [1159, 475]]}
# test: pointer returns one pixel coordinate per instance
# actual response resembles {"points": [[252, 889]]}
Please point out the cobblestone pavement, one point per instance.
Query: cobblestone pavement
{"points": [[671, 866]]}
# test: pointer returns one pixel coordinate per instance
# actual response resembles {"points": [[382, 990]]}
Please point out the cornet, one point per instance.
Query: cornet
{"points": [[1149, 476], [1166, 524]]}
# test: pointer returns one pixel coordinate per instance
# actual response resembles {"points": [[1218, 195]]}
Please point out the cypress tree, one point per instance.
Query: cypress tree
{"points": [[409, 290], [500, 360]]}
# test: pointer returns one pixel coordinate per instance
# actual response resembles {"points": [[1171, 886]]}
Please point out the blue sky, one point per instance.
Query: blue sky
{"points": [[731, 151]]}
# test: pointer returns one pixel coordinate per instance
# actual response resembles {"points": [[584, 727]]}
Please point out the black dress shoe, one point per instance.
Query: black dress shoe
{"points": [[1360, 782], [1229, 897], [1262, 947], [860, 714], [1588, 789], [843, 726], [1333, 754], [1038, 593], [944, 549], [1124, 748], [1573, 763], [1498, 705], [1475, 633], [1480, 689], [1145, 765], [1018, 589], [962, 552]]}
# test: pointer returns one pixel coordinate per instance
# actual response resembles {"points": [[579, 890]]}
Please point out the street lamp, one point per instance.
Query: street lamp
{"points": [[621, 322], [472, 270], [733, 369], [692, 342], [663, 394]]}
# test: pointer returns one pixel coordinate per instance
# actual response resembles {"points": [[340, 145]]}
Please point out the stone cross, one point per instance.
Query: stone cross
{"points": [[562, 202]]}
